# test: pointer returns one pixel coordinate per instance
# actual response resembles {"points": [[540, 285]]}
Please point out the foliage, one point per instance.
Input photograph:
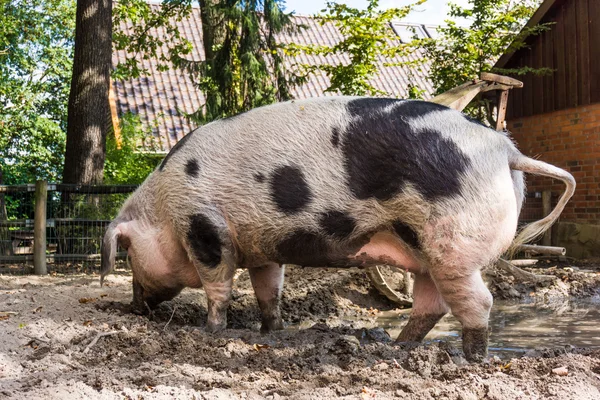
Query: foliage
{"points": [[138, 41], [462, 53], [36, 49], [368, 39], [125, 164], [244, 65]]}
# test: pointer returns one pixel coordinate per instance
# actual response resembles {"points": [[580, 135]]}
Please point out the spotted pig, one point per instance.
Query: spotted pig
{"points": [[334, 182]]}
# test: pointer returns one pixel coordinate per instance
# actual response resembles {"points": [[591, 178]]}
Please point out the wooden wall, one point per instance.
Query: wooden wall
{"points": [[572, 49]]}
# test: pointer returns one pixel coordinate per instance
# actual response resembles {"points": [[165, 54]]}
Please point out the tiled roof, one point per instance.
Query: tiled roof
{"points": [[160, 97]]}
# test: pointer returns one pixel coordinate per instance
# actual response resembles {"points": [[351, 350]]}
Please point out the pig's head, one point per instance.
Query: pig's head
{"points": [[153, 281]]}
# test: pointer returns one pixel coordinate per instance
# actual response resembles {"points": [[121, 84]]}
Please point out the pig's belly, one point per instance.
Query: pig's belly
{"points": [[386, 248], [380, 248]]}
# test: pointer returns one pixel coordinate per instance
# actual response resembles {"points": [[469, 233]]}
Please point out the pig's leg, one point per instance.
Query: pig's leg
{"points": [[218, 295], [428, 309], [138, 306], [470, 302], [267, 282], [212, 253]]}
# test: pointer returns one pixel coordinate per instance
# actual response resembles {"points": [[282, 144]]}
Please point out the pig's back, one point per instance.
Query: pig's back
{"points": [[339, 167]]}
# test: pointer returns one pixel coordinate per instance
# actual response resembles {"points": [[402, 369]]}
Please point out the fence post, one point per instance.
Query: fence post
{"points": [[547, 209], [39, 228]]}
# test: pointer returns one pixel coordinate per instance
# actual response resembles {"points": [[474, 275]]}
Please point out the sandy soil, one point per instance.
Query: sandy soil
{"points": [[53, 346]]}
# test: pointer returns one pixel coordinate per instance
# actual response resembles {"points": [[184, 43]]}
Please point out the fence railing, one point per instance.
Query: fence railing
{"points": [[56, 227]]}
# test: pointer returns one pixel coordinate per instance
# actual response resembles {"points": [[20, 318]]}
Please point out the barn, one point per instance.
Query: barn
{"points": [[556, 117]]}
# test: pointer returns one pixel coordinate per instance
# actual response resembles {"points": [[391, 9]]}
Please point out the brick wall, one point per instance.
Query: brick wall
{"points": [[569, 139]]}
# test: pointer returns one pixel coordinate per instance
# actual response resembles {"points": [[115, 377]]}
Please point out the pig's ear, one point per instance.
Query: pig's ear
{"points": [[109, 249]]}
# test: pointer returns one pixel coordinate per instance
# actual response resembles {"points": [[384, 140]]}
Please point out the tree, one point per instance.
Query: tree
{"points": [[36, 39], [368, 39], [243, 67], [462, 52], [125, 164], [88, 111]]}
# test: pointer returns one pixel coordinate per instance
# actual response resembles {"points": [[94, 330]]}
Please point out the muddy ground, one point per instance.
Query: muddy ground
{"points": [[53, 347]]}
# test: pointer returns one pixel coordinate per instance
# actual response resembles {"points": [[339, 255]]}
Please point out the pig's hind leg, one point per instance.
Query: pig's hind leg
{"points": [[428, 305], [267, 281], [428, 308], [213, 254]]}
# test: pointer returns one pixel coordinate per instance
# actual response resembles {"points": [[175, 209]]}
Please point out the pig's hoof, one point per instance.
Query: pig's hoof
{"points": [[139, 309], [407, 344], [271, 325], [215, 327], [475, 341]]}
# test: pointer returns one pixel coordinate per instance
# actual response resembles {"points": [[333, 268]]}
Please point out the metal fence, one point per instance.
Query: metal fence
{"points": [[56, 228]]}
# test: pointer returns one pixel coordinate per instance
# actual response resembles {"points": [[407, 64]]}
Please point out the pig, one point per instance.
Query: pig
{"points": [[332, 182]]}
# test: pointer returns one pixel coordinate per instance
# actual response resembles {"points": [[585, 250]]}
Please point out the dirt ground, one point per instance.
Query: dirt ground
{"points": [[68, 338]]}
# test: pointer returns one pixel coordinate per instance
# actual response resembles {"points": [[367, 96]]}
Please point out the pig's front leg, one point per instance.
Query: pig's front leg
{"points": [[218, 295], [267, 282], [138, 305], [213, 255]]}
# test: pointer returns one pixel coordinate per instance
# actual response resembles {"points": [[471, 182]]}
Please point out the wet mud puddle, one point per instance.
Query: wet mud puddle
{"points": [[520, 327]]}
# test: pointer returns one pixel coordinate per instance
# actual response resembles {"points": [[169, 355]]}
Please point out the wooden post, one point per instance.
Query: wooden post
{"points": [[39, 228], [547, 209], [502, 104]]}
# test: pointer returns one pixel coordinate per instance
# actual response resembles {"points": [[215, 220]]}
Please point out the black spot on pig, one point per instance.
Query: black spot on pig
{"points": [[175, 149], [382, 153], [192, 168], [335, 137], [337, 224], [258, 177], [408, 109], [204, 240], [305, 248], [289, 189], [407, 234], [361, 107]]}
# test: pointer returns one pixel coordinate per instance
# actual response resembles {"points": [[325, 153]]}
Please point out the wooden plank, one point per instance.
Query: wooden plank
{"points": [[571, 46], [594, 38], [93, 189], [548, 62], [506, 80], [560, 82], [30, 187], [28, 223], [459, 97], [537, 82], [23, 258], [583, 52]]}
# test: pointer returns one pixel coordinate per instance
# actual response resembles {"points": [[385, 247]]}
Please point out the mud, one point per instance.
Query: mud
{"points": [[52, 345]]}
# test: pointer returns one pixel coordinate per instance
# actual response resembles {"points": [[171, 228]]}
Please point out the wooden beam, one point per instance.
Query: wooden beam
{"points": [[488, 76], [114, 115], [459, 97], [548, 250], [501, 117]]}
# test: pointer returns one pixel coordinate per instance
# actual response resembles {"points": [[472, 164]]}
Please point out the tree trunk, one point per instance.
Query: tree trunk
{"points": [[89, 118]]}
